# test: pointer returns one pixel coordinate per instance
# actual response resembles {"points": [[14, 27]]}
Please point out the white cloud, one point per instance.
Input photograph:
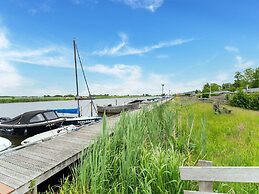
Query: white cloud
{"points": [[122, 49], [9, 78], [162, 56], [221, 78], [4, 42], [231, 49], [55, 56], [243, 64], [124, 72], [12, 81], [131, 80], [150, 5]]}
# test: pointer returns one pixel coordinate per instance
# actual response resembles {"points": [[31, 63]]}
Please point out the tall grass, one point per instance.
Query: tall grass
{"points": [[146, 149], [142, 156]]}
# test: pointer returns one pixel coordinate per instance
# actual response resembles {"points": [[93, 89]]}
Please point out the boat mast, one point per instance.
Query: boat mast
{"points": [[77, 92]]}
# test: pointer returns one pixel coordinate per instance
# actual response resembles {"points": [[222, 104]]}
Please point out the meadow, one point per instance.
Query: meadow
{"points": [[146, 149]]}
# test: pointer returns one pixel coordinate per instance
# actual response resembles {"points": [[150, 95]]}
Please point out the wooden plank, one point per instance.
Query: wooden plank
{"points": [[15, 167], [47, 153], [35, 157], [13, 174], [58, 147], [37, 154], [5, 189], [35, 165], [44, 176], [10, 181], [221, 174], [75, 144], [81, 138]]}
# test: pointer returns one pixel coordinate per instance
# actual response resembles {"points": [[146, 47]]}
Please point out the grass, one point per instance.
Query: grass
{"points": [[146, 150]]}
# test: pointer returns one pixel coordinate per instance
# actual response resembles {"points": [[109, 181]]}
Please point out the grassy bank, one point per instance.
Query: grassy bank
{"points": [[33, 99], [146, 150]]}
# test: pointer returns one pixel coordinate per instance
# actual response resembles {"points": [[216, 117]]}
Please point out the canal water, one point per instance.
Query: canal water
{"points": [[14, 109]]}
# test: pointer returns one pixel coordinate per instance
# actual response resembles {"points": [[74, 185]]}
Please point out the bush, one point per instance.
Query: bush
{"points": [[205, 95], [244, 100]]}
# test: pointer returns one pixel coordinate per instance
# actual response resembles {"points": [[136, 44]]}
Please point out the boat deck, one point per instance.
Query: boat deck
{"points": [[22, 170]]}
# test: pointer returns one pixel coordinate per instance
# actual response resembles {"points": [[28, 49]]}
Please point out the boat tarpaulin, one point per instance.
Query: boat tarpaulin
{"points": [[67, 110]]}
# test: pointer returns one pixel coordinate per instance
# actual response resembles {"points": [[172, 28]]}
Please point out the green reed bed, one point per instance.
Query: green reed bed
{"points": [[142, 156], [146, 149]]}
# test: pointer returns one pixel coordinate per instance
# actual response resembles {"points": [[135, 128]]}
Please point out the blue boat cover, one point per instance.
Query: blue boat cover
{"points": [[67, 110]]}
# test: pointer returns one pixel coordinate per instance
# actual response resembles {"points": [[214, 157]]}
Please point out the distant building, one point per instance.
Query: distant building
{"points": [[221, 92], [251, 90], [190, 93]]}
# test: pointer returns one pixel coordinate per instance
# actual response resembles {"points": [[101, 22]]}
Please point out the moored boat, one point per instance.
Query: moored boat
{"points": [[48, 135], [31, 123], [113, 110], [4, 144]]}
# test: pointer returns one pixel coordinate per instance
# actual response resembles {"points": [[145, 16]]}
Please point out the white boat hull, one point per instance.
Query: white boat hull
{"points": [[4, 144], [48, 135]]}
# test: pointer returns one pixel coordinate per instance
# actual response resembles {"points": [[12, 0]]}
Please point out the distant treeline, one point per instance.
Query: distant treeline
{"points": [[249, 78], [13, 99]]}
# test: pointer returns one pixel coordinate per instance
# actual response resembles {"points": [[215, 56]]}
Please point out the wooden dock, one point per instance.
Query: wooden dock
{"points": [[22, 170]]}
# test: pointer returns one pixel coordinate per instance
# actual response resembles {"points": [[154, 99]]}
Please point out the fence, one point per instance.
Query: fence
{"points": [[206, 174]]}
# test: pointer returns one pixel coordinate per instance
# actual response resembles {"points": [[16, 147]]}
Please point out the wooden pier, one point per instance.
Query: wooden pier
{"points": [[23, 169]]}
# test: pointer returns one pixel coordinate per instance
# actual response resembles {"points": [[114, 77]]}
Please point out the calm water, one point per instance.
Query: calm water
{"points": [[14, 109]]}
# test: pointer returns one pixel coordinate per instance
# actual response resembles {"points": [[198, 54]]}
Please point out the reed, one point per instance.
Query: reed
{"points": [[142, 156], [145, 151]]}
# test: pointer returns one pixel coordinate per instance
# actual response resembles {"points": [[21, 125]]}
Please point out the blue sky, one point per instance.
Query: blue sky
{"points": [[127, 46]]}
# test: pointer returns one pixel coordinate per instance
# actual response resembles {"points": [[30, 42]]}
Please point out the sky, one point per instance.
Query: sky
{"points": [[126, 46]]}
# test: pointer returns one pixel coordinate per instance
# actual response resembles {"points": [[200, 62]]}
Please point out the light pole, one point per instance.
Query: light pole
{"points": [[162, 89], [210, 91]]}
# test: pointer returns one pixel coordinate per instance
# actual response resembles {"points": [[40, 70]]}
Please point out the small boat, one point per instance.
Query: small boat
{"points": [[48, 135], [113, 110], [4, 144], [31, 123]]}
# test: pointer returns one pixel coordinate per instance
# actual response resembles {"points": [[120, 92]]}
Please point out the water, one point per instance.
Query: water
{"points": [[14, 109]]}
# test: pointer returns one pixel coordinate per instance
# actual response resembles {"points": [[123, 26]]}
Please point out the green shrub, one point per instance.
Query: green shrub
{"points": [[244, 100]]}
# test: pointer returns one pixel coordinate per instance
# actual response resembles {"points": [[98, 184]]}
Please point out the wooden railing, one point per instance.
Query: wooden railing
{"points": [[206, 174]]}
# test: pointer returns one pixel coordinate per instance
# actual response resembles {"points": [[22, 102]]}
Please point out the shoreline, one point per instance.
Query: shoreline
{"points": [[11, 99]]}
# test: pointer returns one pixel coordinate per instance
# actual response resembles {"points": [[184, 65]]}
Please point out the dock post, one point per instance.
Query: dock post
{"points": [[206, 186]]}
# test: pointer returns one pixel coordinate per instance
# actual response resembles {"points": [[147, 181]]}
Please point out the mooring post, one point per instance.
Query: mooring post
{"points": [[205, 185]]}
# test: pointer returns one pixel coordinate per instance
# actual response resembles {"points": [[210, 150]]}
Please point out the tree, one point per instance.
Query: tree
{"points": [[248, 77], [255, 83], [215, 87], [239, 80], [206, 88], [228, 87]]}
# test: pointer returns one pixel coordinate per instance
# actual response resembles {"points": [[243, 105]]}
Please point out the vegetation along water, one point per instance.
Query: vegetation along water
{"points": [[146, 149]]}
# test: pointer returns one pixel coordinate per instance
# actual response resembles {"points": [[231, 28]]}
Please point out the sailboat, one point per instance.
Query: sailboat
{"points": [[79, 119]]}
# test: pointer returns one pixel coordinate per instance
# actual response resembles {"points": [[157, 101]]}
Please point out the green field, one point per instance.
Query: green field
{"points": [[146, 150]]}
